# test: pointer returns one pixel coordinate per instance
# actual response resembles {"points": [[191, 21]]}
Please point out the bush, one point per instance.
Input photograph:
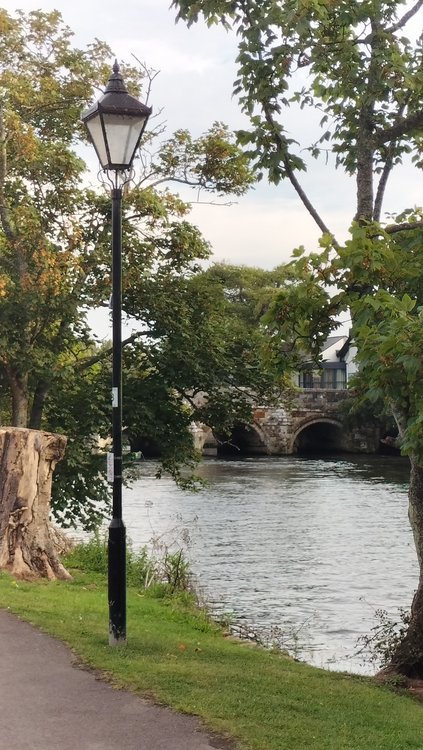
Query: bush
{"points": [[169, 573], [89, 556], [380, 644]]}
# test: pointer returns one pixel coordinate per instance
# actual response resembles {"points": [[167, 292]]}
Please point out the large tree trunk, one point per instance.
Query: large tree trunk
{"points": [[408, 656], [27, 461]]}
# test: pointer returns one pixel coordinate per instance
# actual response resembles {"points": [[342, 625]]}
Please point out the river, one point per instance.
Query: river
{"points": [[303, 550]]}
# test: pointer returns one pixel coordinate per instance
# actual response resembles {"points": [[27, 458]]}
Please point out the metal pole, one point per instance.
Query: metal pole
{"points": [[117, 533]]}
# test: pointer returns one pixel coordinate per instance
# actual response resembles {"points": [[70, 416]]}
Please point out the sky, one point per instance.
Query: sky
{"points": [[194, 89]]}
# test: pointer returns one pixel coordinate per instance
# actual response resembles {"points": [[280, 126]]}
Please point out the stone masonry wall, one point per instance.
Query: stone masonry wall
{"points": [[278, 427]]}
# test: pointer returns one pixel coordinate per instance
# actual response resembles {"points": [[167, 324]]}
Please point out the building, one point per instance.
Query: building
{"points": [[336, 366]]}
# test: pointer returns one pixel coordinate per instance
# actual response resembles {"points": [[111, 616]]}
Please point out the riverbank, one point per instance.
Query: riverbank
{"points": [[291, 543], [177, 657]]}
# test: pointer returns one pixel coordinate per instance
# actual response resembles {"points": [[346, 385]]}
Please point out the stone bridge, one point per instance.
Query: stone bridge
{"points": [[312, 421]]}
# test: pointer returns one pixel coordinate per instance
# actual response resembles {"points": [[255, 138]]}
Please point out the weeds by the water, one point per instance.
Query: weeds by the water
{"points": [[143, 569], [291, 641], [163, 572], [378, 646]]}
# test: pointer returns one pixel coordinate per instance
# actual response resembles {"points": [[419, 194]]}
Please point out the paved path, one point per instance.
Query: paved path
{"points": [[48, 703]]}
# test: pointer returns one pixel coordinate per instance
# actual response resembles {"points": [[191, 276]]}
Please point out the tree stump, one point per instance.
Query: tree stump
{"points": [[27, 461]]}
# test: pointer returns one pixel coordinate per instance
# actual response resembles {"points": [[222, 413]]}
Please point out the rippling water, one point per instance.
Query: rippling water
{"points": [[311, 547]]}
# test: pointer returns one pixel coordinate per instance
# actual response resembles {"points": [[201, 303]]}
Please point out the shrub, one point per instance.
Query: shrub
{"points": [[167, 573], [378, 646]]}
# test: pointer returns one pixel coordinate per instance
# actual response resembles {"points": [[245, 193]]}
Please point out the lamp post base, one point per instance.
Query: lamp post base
{"points": [[117, 582]]}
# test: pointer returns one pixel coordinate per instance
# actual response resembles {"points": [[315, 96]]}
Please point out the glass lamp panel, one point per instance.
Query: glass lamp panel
{"points": [[122, 133], [97, 136]]}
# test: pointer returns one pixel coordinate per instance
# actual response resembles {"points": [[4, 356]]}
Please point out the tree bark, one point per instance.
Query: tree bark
{"points": [[408, 656], [37, 407], [365, 176], [27, 461], [19, 390], [19, 405]]}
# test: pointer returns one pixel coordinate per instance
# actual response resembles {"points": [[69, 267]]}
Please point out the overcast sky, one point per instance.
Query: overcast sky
{"points": [[194, 88]]}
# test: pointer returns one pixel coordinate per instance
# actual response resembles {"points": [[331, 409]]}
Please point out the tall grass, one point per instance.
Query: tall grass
{"points": [[167, 572]]}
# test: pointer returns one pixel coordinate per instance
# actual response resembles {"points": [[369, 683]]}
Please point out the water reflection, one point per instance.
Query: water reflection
{"points": [[315, 544]]}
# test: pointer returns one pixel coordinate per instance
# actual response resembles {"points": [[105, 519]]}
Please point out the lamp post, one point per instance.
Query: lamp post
{"points": [[115, 126]]}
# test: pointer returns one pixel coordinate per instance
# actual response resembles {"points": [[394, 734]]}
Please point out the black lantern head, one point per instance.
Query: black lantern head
{"points": [[115, 124]]}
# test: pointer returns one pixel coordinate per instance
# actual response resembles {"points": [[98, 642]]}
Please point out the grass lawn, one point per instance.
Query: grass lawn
{"points": [[264, 700]]}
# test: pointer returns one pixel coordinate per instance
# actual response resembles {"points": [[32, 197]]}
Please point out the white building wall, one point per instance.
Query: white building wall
{"points": [[329, 354], [351, 362]]}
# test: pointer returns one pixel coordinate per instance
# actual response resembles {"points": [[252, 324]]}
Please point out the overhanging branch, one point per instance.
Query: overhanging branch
{"points": [[292, 178], [307, 203], [289, 170], [83, 364], [407, 226], [403, 126], [406, 17]]}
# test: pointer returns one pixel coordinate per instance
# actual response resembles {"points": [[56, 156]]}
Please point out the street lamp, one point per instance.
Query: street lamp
{"points": [[115, 126]]}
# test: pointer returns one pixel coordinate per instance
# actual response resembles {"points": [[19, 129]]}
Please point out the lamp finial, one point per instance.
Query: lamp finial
{"points": [[115, 83]]}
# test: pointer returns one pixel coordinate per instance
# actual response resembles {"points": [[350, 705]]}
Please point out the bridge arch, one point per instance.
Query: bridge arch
{"points": [[243, 440], [319, 435]]}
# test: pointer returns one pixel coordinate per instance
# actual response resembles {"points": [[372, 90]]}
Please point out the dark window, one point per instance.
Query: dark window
{"points": [[334, 378], [305, 379]]}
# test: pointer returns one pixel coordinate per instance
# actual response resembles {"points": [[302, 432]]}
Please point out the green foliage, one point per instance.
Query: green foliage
{"points": [[349, 61], [378, 276], [388, 323], [205, 338], [160, 575], [89, 556], [44, 82], [354, 64], [55, 262], [212, 162]]}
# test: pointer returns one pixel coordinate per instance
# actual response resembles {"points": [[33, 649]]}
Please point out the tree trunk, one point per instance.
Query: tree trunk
{"points": [[365, 175], [408, 656], [38, 402], [19, 389], [27, 461]]}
